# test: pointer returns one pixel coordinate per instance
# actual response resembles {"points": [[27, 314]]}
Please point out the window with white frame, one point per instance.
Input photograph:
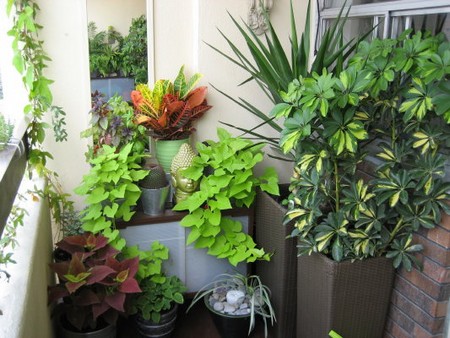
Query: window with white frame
{"points": [[389, 18]]}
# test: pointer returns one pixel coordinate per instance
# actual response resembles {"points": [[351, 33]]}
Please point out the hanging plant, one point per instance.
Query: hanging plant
{"points": [[225, 169]]}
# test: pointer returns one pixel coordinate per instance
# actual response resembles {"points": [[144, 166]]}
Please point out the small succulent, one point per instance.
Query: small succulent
{"points": [[156, 178]]}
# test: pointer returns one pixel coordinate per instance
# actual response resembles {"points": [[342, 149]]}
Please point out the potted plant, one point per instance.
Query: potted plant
{"points": [[104, 51], [155, 309], [111, 191], [134, 51], [112, 124], [234, 301], [369, 173], [273, 69], [155, 189], [225, 170], [93, 285], [168, 112]]}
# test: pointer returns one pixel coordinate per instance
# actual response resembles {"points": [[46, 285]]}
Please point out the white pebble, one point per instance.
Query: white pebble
{"points": [[235, 296]]}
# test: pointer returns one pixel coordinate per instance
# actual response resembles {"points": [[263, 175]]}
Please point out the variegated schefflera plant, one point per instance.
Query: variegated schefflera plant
{"points": [[371, 143]]}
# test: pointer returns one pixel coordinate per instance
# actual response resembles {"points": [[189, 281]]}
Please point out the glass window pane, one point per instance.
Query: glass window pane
{"points": [[356, 26], [340, 3], [434, 23]]}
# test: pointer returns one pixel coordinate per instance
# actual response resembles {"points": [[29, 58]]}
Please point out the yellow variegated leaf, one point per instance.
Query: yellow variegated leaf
{"points": [[394, 199]]}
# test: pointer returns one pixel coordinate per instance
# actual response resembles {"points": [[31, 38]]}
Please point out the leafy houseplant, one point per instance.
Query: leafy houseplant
{"points": [[390, 103], [169, 110], [369, 172], [158, 295], [235, 296], [225, 170], [94, 284], [156, 307], [112, 123], [134, 51], [111, 191]]}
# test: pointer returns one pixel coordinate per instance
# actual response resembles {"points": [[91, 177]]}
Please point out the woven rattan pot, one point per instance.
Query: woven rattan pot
{"points": [[280, 274], [349, 298]]}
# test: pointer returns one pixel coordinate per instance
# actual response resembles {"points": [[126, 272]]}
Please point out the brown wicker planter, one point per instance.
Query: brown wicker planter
{"points": [[350, 298], [280, 274]]}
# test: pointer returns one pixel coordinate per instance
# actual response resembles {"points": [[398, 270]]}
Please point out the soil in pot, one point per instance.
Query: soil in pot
{"points": [[163, 329]]}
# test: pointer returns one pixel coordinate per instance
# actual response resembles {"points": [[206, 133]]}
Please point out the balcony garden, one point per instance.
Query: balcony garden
{"points": [[312, 201]]}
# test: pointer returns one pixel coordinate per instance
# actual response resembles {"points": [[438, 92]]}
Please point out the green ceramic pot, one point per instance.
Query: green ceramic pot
{"points": [[166, 151]]}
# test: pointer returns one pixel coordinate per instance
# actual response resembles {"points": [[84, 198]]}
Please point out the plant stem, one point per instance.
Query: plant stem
{"points": [[336, 179]]}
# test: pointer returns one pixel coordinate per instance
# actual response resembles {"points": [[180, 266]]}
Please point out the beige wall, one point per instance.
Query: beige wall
{"points": [[179, 29], [116, 13], [184, 44]]}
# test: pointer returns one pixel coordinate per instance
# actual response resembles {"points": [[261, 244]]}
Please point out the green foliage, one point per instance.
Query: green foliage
{"points": [[254, 289], [231, 183], [134, 51], [30, 60], [112, 123], [110, 190], [8, 239], [388, 106], [273, 69], [170, 108], [333, 334], [105, 55], [6, 131], [159, 292], [158, 295]]}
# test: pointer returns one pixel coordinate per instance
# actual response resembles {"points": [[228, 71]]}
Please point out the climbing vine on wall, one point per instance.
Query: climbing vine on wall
{"points": [[30, 60]]}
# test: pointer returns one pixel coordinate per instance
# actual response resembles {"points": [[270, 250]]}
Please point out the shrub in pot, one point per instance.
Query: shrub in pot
{"points": [[369, 165], [235, 301], [273, 69], [94, 285], [168, 111]]}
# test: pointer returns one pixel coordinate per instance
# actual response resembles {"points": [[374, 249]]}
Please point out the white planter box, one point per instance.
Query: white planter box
{"points": [[193, 266]]}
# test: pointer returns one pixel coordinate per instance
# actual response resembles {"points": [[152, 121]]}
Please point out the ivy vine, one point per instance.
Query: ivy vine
{"points": [[30, 60]]}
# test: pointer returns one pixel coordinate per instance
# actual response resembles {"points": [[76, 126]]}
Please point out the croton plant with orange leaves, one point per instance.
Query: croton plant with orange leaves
{"points": [[169, 110]]}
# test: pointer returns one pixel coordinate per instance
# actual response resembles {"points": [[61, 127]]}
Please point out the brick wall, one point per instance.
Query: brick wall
{"points": [[419, 299]]}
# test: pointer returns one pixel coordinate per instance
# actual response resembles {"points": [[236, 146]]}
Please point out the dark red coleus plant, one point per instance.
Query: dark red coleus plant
{"points": [[94, 284]]}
